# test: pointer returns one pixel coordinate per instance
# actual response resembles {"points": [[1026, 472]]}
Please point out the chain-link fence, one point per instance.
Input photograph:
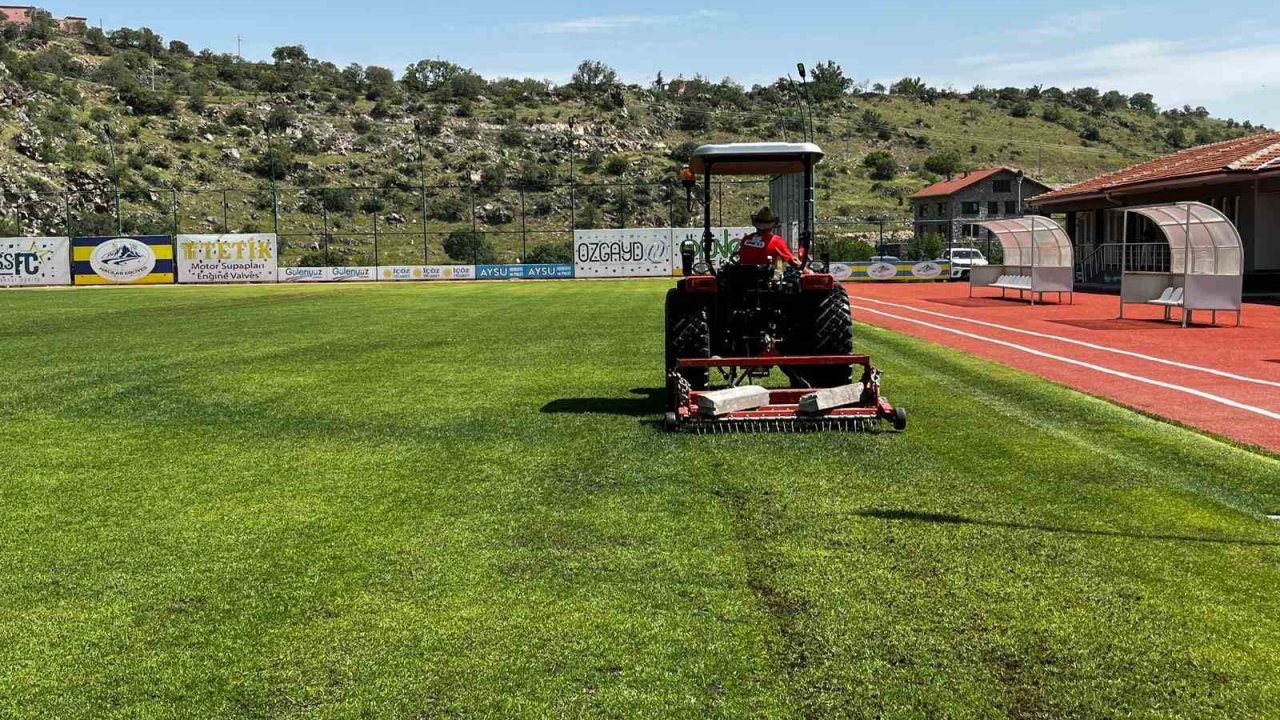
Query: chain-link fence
{"points": [[397, 225]]}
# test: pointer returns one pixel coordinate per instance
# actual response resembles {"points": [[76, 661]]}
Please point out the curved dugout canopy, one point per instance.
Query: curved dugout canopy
{"points": [[1202, 241], [1031, 241]]}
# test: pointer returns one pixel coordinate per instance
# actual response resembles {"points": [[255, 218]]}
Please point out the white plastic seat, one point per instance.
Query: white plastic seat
{"points": [[1171, 296]]}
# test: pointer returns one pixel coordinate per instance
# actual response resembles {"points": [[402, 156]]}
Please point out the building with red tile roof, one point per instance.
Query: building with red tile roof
{"points": [[21, 15], [1240, 177], [950, 207]]}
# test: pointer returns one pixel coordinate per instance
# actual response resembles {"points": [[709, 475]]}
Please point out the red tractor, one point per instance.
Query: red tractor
{"points": [[742, 320]]}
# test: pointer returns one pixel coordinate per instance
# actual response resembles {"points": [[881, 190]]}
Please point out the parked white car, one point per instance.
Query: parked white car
{"points": [[962, 260]]}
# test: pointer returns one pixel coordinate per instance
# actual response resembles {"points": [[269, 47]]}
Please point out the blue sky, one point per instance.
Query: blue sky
{"points": [[1224, 55]]}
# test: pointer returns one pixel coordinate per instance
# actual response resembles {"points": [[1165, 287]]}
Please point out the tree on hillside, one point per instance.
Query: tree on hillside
{"points": [[909, 87], [943, 163], [379, 82], [292, 68], [1143, 102], [593, 78], [1085, 97], [880, 165], [828, 82], [445, 80]]}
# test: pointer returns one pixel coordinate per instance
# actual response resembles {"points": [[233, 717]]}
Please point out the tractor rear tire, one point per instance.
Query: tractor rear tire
{"points": [[829, 332], [688, 335]]}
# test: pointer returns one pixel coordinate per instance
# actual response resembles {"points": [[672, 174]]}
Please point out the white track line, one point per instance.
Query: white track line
{"points": [[1082, 343], [1090, 366]]}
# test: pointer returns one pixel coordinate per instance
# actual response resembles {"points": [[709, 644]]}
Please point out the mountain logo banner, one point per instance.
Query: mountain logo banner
{"points": [[28, 261], [141, 259]]}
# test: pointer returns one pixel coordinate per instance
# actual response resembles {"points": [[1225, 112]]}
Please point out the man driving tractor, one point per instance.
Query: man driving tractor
{"points": [[764, 245]]}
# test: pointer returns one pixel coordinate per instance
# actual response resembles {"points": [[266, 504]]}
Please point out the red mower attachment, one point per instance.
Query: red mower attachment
{"points": [[742, 407]]}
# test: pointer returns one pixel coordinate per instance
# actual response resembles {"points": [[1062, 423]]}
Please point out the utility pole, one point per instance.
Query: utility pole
{"points": [[239, 57]]}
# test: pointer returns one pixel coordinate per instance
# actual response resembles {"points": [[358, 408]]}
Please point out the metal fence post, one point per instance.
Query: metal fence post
{"points": [[66, 203], [524, 233], [225, 227], [475, 244], [175, 216], [324, 215], [422, 186], [275, 209], [375, 239]]}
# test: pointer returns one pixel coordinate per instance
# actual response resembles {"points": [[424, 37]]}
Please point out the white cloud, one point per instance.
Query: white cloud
{"points": [[612, 23], [1085, 22], [1177, 73]]}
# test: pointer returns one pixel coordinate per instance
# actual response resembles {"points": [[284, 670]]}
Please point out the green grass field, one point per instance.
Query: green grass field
{"points": [[437, 500]]}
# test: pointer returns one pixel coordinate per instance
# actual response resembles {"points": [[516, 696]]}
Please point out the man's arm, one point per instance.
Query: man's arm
{"points": [[779, 248]]}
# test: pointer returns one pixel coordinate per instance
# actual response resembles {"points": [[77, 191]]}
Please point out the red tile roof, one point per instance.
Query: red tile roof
{"points": [[1252, 153], [957, 183]]}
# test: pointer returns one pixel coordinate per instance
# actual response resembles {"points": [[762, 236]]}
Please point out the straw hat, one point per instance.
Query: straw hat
{"points": [[764, 215]]}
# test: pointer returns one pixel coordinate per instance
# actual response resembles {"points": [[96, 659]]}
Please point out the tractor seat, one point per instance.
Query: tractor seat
{"points": [[747, 277]]}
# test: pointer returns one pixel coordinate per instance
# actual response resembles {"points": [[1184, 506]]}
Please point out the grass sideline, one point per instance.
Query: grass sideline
{"points": [[446, 500]]}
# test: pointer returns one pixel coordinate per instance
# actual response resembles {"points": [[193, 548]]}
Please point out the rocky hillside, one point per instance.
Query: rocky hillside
{"points": [[198, 140]]}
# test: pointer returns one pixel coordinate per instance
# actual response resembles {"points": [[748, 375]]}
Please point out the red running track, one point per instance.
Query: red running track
{"points": [[1223, 379]]}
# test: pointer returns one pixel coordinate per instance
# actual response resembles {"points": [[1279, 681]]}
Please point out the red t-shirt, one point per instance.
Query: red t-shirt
{"points": [[757, 248]]}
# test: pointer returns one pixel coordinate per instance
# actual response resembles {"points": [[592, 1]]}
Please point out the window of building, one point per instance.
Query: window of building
{"points": [[969, 209], [920, 210], [942, 209], [993, 208], [1002, 186], [1010, 207]]}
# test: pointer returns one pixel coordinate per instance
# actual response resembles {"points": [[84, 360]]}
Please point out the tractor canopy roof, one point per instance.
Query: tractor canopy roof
{"points": [[769, 158]]}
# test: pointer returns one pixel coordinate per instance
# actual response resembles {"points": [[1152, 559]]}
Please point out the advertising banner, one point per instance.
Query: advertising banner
{"points": [[229, 258], [26, 261], [724, 243], [523, 272], [426, 272], [353, 274], [302, 274], [450, 272], [136, 260], [630, 252], [867, 271], [401, 272]]}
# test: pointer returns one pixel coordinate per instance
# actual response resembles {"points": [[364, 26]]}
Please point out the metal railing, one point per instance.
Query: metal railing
{"points": [[1104, 264]]}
